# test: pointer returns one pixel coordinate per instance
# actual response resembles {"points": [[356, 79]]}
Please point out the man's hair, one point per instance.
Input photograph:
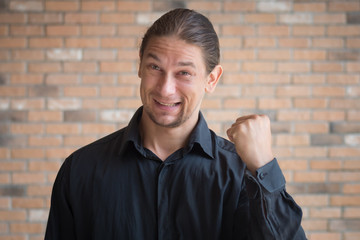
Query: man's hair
{"points": [[190, 26]]}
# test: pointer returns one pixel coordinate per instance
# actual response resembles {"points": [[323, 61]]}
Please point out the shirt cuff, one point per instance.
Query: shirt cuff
{"points": [[269, 177]]}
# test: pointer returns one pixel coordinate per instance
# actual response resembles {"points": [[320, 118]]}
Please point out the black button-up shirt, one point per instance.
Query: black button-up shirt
{"points": [[115, 188]]}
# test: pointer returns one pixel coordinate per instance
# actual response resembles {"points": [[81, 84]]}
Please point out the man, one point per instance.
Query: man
{"points": [[166, 175]]}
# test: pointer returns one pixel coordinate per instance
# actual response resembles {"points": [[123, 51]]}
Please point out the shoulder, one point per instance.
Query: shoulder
{"points": [[107, 145], [225, 152]]}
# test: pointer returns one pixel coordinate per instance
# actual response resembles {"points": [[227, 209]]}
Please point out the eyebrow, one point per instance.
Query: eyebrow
{"points": [[183, 64]]}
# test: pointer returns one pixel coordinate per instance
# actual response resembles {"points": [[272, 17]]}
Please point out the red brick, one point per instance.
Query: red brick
{"points": [[293, 91], [77, 141], [345, 200], [310, 177], [28, 178], [118, 43], [327, 67], [344, 152], [312, 200], [311, 127], [30, 228], [81, 18], [62, 129], [35, 141], [34, 55], [98, 30], [131, 30], [80, 91], [76, 67], [40, 166], [12, 18], [274, 103], [236, 30], [344, 103], [239, 103], [329, 91], [27, 202], [352, 212], [102, 103], [309, 30], [98, 6], [310, 103], [46, 42], [133, 6], [61, 6], [117, 91], [288, 67], [353, 67], [239, 55], [309, 7], [274, 30], [328, 43], [12, 166], [292, 140], [353, 42], [117, 18], [258, 42], [58, 154], [260, 18], [274, 55], [63, 104], [9, 91], [12, 215], [325, 164], [325, 235], [45, 116], [20, 104], [344, 6], [273, 78], [91, 128], [12, 42], [30, 30], [116, 67], [62, 30], [310, 55], [309, 79], [258, 66], [329, 115], [47, 18], [313, 152], [27, 153], [240, 6], [343, 30], [82, 42], [44, 67], [330, 18]]}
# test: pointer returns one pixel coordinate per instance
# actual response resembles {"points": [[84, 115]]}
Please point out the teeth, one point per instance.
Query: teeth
{"points": [[168, 104]]}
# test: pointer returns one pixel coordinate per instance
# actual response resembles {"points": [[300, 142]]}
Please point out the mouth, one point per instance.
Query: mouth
{"points": [[167, 104]]}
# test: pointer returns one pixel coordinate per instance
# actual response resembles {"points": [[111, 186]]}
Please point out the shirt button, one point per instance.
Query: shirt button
{"points": [[262, 175]]}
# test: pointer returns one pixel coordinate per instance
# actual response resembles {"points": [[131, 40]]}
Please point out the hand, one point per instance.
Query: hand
{"points": [[252, 138]]}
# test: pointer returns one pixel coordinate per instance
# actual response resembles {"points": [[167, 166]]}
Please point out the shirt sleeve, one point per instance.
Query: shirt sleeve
{"points": [[272, 212], [60, 224]]}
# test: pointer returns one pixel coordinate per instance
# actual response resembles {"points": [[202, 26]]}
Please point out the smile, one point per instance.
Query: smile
{"points": [[168, 104]]}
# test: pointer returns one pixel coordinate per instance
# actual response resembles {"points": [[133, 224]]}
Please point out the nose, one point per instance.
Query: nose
{"points": [[166, 85]]}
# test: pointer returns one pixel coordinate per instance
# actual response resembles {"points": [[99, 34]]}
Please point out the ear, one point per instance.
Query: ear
{"points": [[213, 78]]}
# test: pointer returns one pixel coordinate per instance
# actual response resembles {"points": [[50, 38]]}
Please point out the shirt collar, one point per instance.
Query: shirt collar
{"points": [[201, 135]]}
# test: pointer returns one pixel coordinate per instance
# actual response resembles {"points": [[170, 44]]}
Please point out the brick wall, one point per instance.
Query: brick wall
{"points": [[68, 75]]}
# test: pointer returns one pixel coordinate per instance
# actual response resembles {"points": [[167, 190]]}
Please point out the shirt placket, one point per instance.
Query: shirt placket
{"points": [[163, 203]]}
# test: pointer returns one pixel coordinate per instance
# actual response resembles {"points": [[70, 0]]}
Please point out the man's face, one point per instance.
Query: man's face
{"points": [[173, 81]]}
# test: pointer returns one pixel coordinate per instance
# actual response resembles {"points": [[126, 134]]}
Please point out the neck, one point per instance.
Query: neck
{"points": [[163, 141]]}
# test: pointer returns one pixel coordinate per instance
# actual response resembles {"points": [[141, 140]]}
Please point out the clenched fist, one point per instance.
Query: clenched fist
{"points": [[252, 138]]}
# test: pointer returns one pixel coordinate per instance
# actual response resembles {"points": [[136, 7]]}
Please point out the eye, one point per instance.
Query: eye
{"points": [[155, 67], [184, 73]]}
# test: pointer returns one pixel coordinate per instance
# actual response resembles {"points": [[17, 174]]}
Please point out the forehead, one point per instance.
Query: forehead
{"points": [[173, 48]]}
